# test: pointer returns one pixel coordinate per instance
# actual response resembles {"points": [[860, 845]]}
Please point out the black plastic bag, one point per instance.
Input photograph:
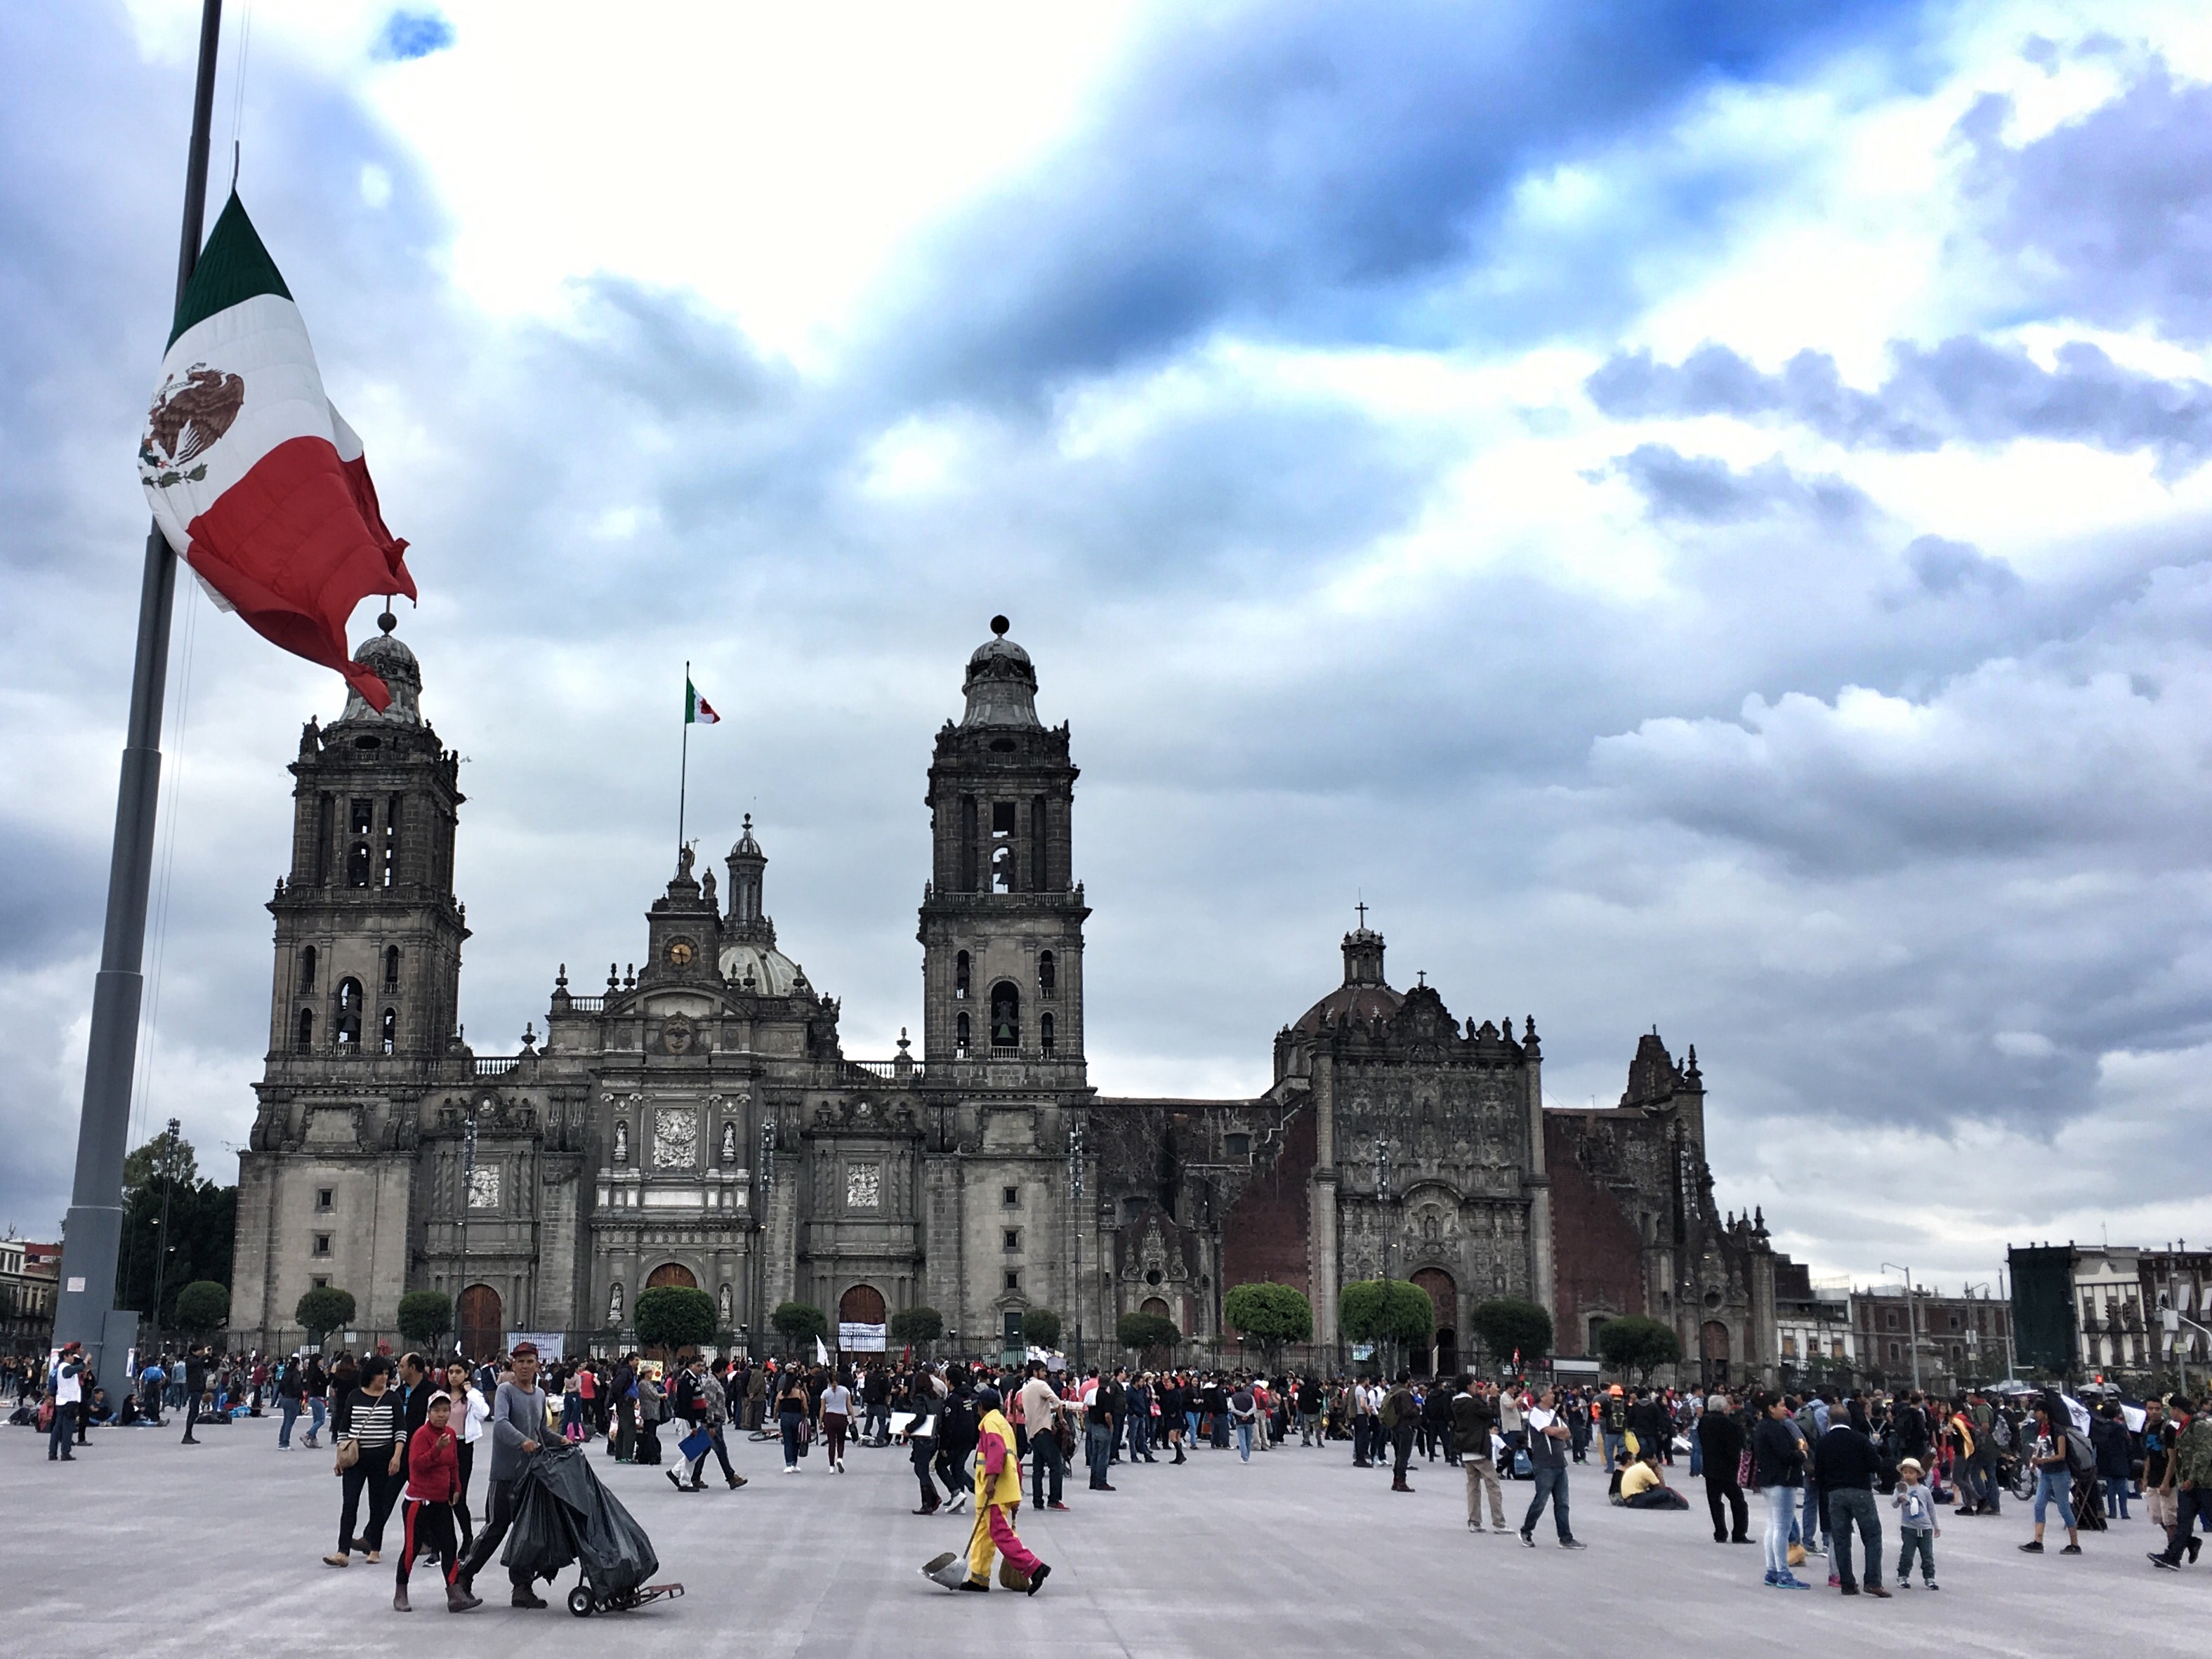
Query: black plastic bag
{"points": [[563, 1514]]}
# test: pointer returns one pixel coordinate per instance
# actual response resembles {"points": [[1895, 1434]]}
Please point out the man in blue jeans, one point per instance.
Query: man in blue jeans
{"points": [[1547, 1459], [1846, 1465]]}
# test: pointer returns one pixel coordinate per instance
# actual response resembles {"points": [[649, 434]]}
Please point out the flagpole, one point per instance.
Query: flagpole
{"points": [[684, 766], [92, 1235]]}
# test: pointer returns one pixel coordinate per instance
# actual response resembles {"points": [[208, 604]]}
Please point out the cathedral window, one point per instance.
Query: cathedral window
{"points": [[305, 1036], [1005, 1018], [324, 1197], [363, 815], [1239, 1146], [308, 970], [358, 864], [967, 844], [960, 976], [1047, 976], [1002, 869], [1044, 1034], [960, 1038], [388, 1036], [1005, 870], [391, 965], [1036, 845], [322, 1243], [1011, 1197], [348, 1031], [1013, 1281], [1013, 1238], [326, 835], [392, 841]]}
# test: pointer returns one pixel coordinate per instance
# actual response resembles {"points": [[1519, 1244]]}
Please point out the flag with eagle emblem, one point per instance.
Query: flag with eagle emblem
{"points": [[256, 481]]}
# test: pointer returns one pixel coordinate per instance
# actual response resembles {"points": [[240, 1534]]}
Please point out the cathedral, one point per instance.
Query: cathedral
{"points": [[696, 1121]]}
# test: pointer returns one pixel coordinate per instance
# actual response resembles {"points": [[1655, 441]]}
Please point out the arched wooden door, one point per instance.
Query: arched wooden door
{"points": [[862, 1305], [1443, 1303], [1713, 1353], [672, 1273], [479, 1316]]}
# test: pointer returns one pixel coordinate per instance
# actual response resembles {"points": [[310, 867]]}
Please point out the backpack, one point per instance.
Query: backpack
{"points": [[2000, 1431], [2080, 1459]]}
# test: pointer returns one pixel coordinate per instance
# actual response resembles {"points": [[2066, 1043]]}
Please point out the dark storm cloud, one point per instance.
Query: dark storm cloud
{"points": [[1704, 489], [2107, 218], [1307, 167], [1943, 566], [1963, 390]]}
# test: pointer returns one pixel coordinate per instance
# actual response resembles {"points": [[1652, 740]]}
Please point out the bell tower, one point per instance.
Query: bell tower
{"points": [[368, 936], [1002, 916]]}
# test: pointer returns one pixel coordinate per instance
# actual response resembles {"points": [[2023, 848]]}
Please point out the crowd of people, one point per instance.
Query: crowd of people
{"points": [[1823, 1466]]}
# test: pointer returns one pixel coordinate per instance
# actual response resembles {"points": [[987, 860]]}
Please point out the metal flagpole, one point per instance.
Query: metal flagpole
{"points": [[92, 1234], [683, 765]]}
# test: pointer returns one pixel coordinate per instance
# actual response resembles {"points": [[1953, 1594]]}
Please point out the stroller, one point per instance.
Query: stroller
{"points": [[563, 1514]]}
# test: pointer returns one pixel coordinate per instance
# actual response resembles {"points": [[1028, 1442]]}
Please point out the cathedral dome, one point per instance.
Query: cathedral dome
{"points": [[1364, 993], [386, 654], [1001, 683], [773, 974]]}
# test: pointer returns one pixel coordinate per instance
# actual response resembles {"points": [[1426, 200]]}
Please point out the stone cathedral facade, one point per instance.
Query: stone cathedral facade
{"points": [[696, 1121]]}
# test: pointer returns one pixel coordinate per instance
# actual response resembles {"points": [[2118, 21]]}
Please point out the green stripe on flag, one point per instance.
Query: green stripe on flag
{"points": [[690, 703], [232, 267]]}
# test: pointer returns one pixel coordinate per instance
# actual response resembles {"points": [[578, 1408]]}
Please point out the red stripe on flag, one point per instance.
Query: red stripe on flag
{"points": [[295, 544]]}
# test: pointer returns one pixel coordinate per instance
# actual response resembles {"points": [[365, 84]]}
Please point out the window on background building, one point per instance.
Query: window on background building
{"points": [[1011, 1196], [387, 1037], [358, 864], [320, 1282], [1005, 1018], [1013, 1240], [1048, 975], [960, 977], [960, 1038], [363, 815], [1889, 1321], [391, 965], [392, 841], [1013, 1279], [1788, 1347], [308, 970], [322, 1243], [1893, 1353], [1238, 1145], [1046, 1035], [1836, 1348], [1006, 874], [304, 1033], [325, 1196]]}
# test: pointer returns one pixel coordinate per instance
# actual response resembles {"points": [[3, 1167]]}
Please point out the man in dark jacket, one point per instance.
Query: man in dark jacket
{"points": [[195, 1370], [1720, 1441], [1472, 1416], [1847, 1465]]}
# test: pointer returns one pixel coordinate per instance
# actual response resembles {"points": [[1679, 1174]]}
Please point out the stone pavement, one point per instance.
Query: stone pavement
{"points": [[145, 1547]]}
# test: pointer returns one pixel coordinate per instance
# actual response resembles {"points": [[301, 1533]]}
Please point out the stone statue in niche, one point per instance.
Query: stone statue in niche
{"points": [[622, 1149], [615, 1304], [726, 1304], [729, 1150]]}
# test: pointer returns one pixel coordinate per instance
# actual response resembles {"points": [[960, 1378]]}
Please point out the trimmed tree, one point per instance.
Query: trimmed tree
{"points": [[425, 1315], [1634, 1343], [203, 1306], [1040, 1328], [674, 1317], [1144, 1333], [916, 1326], [1391, 1312], [798, 1322], [1511, 1325], [324, 1310], [1269, 1315]]}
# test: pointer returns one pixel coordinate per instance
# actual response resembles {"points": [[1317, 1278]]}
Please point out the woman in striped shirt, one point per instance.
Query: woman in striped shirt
{"points": [[369, 1416]]}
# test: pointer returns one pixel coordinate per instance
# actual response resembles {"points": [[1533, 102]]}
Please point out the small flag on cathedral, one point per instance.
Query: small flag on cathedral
{"points": [[256, 481], [697, 711]]}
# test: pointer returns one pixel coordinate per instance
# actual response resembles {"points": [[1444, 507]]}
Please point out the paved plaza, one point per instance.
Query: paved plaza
{"points": [[147, 1547]]}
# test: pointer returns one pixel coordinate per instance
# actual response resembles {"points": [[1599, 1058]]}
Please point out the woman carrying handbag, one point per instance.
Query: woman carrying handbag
{"points": [[368, 1429]]}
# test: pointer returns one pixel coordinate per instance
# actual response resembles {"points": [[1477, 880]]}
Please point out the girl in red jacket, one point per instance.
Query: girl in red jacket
{"points": [[434, 1482]]}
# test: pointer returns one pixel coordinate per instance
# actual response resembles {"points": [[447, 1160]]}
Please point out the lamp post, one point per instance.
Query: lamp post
{"points": [[1911, 1324]]}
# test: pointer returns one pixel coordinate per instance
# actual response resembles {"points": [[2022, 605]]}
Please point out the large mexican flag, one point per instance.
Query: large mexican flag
{"points": [[257, 481]]}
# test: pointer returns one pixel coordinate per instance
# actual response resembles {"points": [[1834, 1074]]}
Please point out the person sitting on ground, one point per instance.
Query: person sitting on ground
{"points": [[1643, 1485]]}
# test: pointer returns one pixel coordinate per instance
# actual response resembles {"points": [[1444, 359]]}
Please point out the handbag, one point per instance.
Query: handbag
{"points": [[349, 1454]]}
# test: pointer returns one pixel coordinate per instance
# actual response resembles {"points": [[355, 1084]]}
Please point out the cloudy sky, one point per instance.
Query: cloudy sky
{"points": [[1698, 514]]}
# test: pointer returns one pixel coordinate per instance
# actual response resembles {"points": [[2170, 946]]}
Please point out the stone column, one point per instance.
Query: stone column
{"points": [[1324, 1264]]}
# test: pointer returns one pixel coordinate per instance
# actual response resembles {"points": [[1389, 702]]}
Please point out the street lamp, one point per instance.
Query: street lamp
{"points": [[1911, 1325]]}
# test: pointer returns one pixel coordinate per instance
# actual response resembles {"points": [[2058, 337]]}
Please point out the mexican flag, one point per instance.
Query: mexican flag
{"points": [[258, 483], [697, 711]]}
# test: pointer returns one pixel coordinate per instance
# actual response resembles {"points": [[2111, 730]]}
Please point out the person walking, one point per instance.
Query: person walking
{"points": [[368, 1418], [1473, 1417], [1847, 1465], [836, 1419], [998, 1501], [426, 1507], [791, 1403], [518, 1424], [1547, 1460], [921, 1438], [2108, 1439], [1244, 1411], [1721, 1445], [2054, 1480], [290, 1392], [469, 1415], [196, 1375], [2190, 1473]]}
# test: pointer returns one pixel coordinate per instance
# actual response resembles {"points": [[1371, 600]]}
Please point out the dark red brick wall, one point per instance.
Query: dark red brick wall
{"points": [[1597, 1252], [1263, 1237]]}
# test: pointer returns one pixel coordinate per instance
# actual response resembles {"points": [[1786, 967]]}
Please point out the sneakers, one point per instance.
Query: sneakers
{"points": [[1572, 1544], [1835, 1582], [2162, 1563], [1529, 1539], [2034, 1546], [1926, 1585], [1789, 1580], [2071, 1549]]}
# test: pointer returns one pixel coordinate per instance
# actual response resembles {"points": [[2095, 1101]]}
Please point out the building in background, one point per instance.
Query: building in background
{"points": [[1961, 1338], [2096, 1310], [1812, 1328], [697, 1123], [27, 1277]]}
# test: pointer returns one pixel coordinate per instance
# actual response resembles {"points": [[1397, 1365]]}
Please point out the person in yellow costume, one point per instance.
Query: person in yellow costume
{"points": [[998, 1501]]}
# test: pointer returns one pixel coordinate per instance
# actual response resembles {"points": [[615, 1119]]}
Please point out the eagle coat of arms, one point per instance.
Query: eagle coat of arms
{"points": [[189, 414]]}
